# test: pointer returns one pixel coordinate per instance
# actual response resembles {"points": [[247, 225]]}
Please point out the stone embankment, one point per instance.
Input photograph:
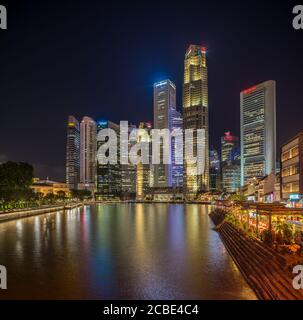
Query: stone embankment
{"points": [[263, 268]]}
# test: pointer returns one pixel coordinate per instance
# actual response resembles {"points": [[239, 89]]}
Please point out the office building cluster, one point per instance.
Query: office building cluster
{"points": [[240, 164]]}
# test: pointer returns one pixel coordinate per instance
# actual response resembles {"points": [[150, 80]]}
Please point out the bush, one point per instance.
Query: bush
{"points": [[279, 237], [267, 237], [285, 230], [218, 215]]}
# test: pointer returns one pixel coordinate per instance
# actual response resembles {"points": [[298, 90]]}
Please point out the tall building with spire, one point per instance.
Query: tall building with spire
{"points": [[195, 116], [73, 153], [88, 151]]}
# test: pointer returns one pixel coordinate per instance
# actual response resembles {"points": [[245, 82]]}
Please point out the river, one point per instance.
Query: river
{"points": [[119, 251]]}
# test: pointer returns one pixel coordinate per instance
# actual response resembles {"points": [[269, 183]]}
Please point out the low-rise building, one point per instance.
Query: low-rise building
{"points": [[292, 169], [165, 194], [50, 187]]}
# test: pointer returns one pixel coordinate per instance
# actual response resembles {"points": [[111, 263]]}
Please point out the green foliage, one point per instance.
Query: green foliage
{"points": [[284, 230], [267, 237], [236, 197], [245, 226], [61, 195], [231, 219], [218, 215], [15, 181], [81, 194]]}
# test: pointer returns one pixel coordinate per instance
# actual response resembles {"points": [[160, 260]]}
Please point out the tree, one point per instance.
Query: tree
{"points": [[236, 197], [285, 230], [15, 181], [61, 195], [81, 194]]}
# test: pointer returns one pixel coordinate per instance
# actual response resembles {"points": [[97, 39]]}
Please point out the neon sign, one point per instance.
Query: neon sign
{"points": [[249, 90], [294, 196], [228, 136]]}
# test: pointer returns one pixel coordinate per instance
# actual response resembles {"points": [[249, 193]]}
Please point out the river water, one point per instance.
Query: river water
{"points": [[119, 251]]}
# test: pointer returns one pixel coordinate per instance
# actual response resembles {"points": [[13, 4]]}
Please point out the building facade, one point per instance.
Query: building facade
{"points": [[164, 106], [230, 163], [291, 174], [144, 172], [73, 153], [258, 131], [128, 172], [176, 120], [195, 116], [215, 172], [231, 174], [88, 151], [229, 144], [108, 181], [47, 187]]}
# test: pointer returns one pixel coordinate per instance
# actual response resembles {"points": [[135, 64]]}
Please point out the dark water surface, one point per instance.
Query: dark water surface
{"points": [[119, 251]]}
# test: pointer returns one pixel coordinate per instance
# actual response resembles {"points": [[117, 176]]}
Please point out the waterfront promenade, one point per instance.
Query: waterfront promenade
{"points": [[23, 213]]}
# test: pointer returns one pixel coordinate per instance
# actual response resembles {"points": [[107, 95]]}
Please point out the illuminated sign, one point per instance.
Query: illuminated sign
{"points": [[249, 90], [71, 124], [162, 83], [102, 123], [294, 196], [228, 136]]}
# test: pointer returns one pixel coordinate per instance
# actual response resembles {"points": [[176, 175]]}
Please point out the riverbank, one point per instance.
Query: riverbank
{"points": [[263, 268], [36, 211]]}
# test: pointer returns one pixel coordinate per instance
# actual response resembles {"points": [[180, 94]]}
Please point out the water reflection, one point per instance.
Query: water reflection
{"points": [[119, 251]]}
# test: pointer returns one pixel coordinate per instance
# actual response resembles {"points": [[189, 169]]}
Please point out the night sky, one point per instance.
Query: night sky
{"points": [[89, 58]]}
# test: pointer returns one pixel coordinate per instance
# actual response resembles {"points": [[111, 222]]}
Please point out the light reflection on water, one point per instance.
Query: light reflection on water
{"points": [[119, 251]]}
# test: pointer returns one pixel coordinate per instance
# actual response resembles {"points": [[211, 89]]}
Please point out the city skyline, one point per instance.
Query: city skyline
{"points": [[150, 151], [79, 81]]}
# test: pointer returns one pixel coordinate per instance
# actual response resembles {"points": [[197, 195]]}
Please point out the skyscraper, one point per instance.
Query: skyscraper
{"points": [[258, 131], [176, 120], [88, 149], [164, 106], [128, 172], [214, 171], [145, 172], [230, 162], [108, 175], [229, 143], [73, 153], [195, 115]]}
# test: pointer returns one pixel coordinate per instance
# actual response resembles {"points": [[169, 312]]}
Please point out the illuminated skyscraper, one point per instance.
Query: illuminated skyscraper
{"points": [[166, 117], [230, 162], [214, 171], [88, 149], [229, 143], [73, 153], [145, 176], [176, 120], [128, 171], [195, 115], [108, 175], [258, 131]]}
